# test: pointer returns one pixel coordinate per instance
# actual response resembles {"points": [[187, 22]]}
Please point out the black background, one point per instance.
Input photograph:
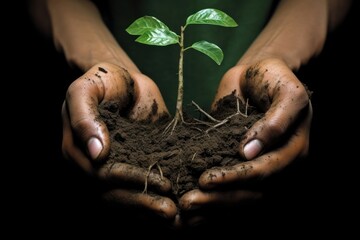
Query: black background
{"points": [[47, 196]]}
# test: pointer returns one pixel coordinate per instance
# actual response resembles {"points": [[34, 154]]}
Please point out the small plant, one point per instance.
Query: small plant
{"points": [[152, 31]]}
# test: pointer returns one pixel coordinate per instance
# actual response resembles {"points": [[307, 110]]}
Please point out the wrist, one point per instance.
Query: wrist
{"points": [[295, 33], [90, 54], [258, 54], [101, 48], [80, 33]]}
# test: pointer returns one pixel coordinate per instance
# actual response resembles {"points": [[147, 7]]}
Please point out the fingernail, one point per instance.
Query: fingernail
{"points": [[252, 149], [95, 147]]}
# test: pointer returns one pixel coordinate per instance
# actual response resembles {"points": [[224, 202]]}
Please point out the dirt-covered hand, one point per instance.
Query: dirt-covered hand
{"points": [[86, 139], [270, 145]]}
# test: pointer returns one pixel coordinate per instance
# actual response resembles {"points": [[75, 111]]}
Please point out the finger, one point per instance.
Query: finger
{"points": [[284, 100], [161, 206], [69, 148], [196, 198], [149, 104], [263, 166], [102, 82], [123, 173], [198, 208], [229, 84]]}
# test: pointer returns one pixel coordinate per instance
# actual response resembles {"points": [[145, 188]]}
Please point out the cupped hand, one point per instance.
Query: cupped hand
{"points": [[273, 143], [86, 139]]}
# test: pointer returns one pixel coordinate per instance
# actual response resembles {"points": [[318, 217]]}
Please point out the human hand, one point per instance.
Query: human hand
{"points": [[273, 143], [86, 139]]}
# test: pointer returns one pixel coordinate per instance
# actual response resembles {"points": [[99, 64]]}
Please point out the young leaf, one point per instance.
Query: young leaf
{"points": [[210, 49], [158, 37], [145, 24], [211, 16]]}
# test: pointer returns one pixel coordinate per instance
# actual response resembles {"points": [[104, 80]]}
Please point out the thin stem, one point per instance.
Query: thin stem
{"points": [[179, 102], [180, 95]]}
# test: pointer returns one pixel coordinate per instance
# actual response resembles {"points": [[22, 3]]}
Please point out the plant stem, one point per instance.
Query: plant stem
{"points": [[179, 101], [180, 95]]}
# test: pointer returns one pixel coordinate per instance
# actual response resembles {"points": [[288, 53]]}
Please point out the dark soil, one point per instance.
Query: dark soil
{"points": [[186, 153]]}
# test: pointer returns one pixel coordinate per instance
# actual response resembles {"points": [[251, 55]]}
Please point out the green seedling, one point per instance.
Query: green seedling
{"points": [[152, 31]]}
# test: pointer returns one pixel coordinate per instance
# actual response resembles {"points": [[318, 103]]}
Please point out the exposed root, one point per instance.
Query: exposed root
{"points": [[205, 113], [171, 126], [177, 184], [219, 123], [165, 155], [148, 174], [177, 180], [224, 121], [193, 157]]}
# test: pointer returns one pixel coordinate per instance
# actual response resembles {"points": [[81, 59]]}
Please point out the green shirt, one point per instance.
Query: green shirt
{"points": [[201, 74]]}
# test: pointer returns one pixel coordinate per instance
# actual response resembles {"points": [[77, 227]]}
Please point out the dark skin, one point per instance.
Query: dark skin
{"points": [[94, 87], [264, 74], [283, 101]]}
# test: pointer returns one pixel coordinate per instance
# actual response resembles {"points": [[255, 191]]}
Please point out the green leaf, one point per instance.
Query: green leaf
{"points": [[145, 24], [211, 16], [158, 37], [210, 49]]}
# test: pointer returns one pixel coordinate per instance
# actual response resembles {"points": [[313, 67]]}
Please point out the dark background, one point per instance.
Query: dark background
{"points": [[48, 196]]}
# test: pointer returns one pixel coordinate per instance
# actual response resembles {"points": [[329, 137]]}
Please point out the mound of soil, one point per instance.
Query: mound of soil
{"points": [[183, 155]]}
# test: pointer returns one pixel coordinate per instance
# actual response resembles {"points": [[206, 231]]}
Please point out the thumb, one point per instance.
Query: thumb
{"points": [[81, 107], [90, 132], [276, 126]]}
